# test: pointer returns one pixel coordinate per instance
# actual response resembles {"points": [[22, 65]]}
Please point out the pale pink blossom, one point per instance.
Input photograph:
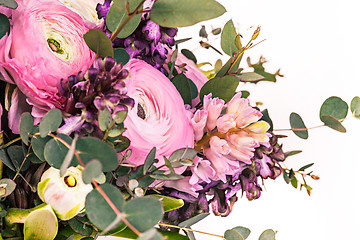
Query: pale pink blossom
{"points": [[158, 118], [214, 107], [243, 113], [45, 44], [225, 123], [242, 146], [198, 122], [223, 165], [183, 185], [201, 171], [219, 145]]}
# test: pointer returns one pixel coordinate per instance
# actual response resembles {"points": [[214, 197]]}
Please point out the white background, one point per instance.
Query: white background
{"points": [[316, 44]]}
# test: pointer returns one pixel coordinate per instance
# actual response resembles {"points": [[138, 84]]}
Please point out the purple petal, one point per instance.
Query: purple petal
{"points": [[72, 124]]}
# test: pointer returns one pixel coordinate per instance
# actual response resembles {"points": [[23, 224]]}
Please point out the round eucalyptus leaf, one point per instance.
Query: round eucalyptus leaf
{"points": [[50, 122], [296, 122], [334, 106]]}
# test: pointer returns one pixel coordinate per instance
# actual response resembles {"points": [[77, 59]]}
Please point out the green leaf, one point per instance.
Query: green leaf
{"points": [[120, 116], [294, 182], [17, 157], [245, 232], [41, 224], [182, 84], [99, 43], [80, 227], [268, 234], [233, 235], [7, 186], [296, 122], [104, 119], [174, 13], [128, 234], [4, 24], [228, 37], [92, 170], [149, 161], [9, 4], [306, 166], [143, 212], [38, 146], [259, 68], [55, 151], [26, 127], [355, 106], [334, 106], [90, 148], [6, 160], [292, 153], [193, 89], [116, 131], [286, 177], [50, 122], [167, 177], [216, 31], [117, 16], [182, 40], [333, 123], [169, 203], [226, 68], [187, 53], [250, 77], [98, 210], [221, 87], [69, 157], [121, 56], [179, 155], [193, 220]]}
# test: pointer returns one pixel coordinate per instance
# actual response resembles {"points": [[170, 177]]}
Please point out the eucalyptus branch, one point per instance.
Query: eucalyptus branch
{"points": [[305, 129], [191, 230], [126, 21], [9, 143]]}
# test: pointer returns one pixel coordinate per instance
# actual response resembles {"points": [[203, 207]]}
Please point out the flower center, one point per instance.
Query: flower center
{"points": [[141, 112], [70, 181], [54, 46]]}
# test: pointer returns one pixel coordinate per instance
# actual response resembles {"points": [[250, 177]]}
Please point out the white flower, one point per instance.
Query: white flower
{"points": [[66, 194]]}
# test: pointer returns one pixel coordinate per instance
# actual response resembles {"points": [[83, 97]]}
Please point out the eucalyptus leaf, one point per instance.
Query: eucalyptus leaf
{"points": [[228, 37], [355, 106], [149, 161], [9, 4], [333, 123], [120, 116], [193, 220], [296, 122], [182, 84], [99, 43], [266, 117], [98, 210], [7, 186], [17, 157], [26, 127], [188, 54], [117, 16], [221, 87], [292, 153], [38, 145], [151, 234], [334, 106], [104, 119], [245, 232], [233, 235], [294, 182], [68, 157], [80, 227], [4, 25], [177, 157], [169, 203], [6, 160], [229, 66], [55, 151], [174, 13], [92, 170], [268, 234], [143, 212], [50, 122], [116, 131], [121, 56], [250, 77], [286, 177]]}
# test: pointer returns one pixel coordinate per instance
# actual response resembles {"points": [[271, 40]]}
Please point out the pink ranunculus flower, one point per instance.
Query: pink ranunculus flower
{"points": [[45, 44], [158, 118]]}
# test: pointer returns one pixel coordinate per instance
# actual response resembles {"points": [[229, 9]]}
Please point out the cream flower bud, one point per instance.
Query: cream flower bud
{"points": [[219, 145], [258, 127], [66, 194]]}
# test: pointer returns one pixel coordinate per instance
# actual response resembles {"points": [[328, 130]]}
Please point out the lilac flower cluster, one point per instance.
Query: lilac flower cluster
{"points": [[102, 86], [148, 42]]}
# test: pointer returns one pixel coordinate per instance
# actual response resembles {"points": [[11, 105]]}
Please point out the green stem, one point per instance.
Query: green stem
{"points": [[9, 143], [17, 215]]}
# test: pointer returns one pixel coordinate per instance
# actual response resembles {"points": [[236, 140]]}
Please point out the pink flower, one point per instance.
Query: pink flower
{"points": [[243, 113], [198, 122], [225, 123], [214, 107], [183, 185], [201, 171], [242, 146], [158, 118], [192, 72], [45, 44], [219, 145]]}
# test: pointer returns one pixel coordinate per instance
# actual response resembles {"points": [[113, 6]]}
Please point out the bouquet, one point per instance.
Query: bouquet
{"points": [[110, 127]]}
